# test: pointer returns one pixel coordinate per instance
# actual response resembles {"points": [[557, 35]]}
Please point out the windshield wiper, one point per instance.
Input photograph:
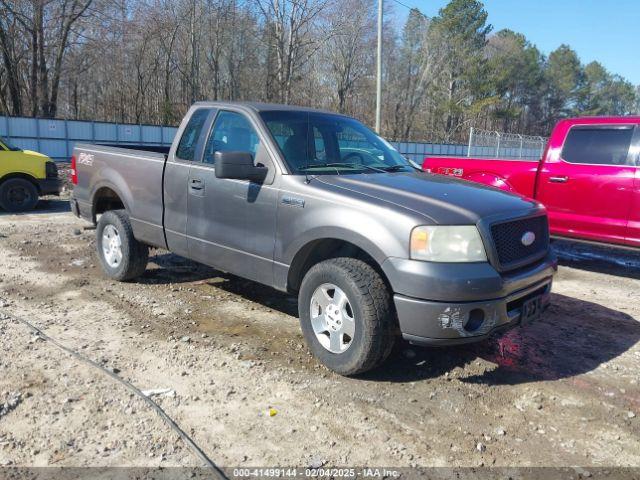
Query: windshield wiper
{"points": [[355, 166], [396, 168]]}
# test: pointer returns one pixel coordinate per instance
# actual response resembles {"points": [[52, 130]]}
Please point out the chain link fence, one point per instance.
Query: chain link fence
{"points": [[492, 144]]}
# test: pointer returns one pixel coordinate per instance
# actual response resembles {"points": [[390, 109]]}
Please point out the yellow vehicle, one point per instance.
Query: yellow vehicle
{"points": [[24, 177]]}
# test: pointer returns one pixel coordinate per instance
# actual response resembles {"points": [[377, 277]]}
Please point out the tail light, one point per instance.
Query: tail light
{"points": [[74, 172]]}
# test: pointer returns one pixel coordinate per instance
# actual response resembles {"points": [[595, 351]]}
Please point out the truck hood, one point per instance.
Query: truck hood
{"points": [[31, 153], [444, 200]]}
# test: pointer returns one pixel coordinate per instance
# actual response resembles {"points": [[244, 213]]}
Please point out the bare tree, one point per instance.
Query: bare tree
{"points": [[295, 33], [347, 51], [12, 54]]}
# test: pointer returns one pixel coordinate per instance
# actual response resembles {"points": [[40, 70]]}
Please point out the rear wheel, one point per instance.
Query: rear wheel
{"points": [[346, 315], [121, 255], [18, 195]]}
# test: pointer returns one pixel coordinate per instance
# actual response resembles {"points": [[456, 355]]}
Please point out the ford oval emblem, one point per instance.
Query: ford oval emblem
{"points": [[528, 238]]}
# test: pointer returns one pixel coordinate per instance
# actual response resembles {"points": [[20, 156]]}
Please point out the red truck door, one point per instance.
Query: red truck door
{"points": [[587, 183], [633, 230]]}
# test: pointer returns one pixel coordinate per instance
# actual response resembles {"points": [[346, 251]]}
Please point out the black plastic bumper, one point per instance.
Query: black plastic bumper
{"points": [[477, 302], [438, 323], [50, 186]]}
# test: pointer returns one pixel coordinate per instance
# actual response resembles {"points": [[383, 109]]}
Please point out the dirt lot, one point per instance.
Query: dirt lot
{"points": [[561, 392]]}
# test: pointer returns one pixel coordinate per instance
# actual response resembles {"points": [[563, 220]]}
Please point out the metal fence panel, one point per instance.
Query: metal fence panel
{"points": [[105, 132], [56, 148], [151, 134], [22, 127], [51, 128], [26, 144], [167, 134], [79, 130], [56, 138], [129, 134]]}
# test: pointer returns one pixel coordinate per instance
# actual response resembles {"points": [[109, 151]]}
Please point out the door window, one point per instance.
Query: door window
{"points": [[598, 146], [232, 132], [189, 141]]}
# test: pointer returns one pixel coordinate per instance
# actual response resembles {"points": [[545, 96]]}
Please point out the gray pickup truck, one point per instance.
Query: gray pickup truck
{"points": [[316, 204]]}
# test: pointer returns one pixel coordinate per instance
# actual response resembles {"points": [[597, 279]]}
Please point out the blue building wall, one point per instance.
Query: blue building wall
{"points": [[56, 139]]}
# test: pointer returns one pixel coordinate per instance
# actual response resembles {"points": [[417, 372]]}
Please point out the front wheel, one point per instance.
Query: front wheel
{"points": [[346, 315], [121, 255], [18, 195]]}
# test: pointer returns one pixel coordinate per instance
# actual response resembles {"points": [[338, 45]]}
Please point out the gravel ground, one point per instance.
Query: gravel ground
{"points": [[227, 362]]}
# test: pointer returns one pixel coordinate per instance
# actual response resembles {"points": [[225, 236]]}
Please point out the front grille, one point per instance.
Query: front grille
{"points": [[51, 169], [508, 240]]}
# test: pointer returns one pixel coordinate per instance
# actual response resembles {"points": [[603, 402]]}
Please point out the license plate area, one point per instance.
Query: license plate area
{"points": [[531, 310]]}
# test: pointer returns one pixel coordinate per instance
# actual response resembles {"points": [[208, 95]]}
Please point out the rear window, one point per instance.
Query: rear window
{"points": [[189, 141], [598, 146]]}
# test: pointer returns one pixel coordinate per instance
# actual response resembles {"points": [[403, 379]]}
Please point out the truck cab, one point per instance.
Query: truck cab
{"points": [[25, 175]]}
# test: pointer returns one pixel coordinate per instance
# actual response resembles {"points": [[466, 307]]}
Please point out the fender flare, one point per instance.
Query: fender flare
{"points": [[126, 201]]}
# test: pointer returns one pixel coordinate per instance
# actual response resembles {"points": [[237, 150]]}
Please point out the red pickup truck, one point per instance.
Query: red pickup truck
{"points": [[588, 178]]}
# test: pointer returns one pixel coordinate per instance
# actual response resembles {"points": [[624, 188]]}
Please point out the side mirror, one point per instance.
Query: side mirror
{"points": [[238, 166]]}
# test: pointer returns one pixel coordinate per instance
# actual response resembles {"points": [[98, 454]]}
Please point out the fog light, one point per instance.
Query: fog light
{"points": [[475, 320]]}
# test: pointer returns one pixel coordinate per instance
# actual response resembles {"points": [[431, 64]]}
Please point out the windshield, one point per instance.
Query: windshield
{"points": [[8, 145], [318, 143]]}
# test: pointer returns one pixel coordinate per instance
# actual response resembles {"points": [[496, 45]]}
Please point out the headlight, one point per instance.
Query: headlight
{"points": [[454, 244]]}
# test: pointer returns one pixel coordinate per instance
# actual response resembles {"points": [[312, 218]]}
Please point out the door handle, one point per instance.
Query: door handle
{"points": [[564, 179], [196, 184]]}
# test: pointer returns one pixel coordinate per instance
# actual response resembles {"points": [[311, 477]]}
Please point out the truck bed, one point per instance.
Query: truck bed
{"points": [[512, 175], [140, 170], [164, 149]]}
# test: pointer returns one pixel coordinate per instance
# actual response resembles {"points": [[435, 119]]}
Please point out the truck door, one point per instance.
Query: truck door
{"points": [[588, 187], [231, 223], [176, 177], [633, 229]]}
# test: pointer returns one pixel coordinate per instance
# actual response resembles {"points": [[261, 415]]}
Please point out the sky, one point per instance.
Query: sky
{"points": [[604, 30]]}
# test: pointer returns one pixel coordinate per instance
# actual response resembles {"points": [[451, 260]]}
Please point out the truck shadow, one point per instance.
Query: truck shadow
{"points": [[600, 259], [172, 268], [175, 269], [574, 337]]}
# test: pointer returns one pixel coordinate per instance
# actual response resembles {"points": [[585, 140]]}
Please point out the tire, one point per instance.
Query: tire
{"points": [[131, 261], [18, 195], [368, 343]]}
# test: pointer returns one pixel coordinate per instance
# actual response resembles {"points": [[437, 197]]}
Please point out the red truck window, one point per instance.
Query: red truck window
{"points": [[598, 145]]}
